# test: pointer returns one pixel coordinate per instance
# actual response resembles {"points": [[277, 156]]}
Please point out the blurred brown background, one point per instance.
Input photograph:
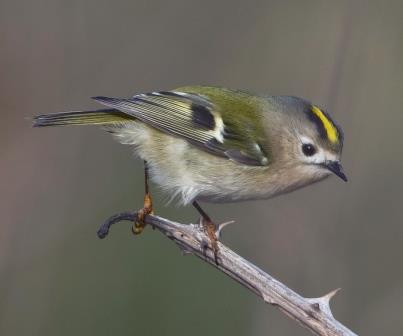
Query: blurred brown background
{"points": [[58, 185]]}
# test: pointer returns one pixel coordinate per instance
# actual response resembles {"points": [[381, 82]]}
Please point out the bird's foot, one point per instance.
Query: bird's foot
{"points": [[147, 209], [213, 232]]}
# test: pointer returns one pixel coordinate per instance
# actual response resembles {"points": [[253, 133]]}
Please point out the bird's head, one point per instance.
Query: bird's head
{"points": [[310, 140]]}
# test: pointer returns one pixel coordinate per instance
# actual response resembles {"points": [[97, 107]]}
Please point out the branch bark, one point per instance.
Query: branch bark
{"points": [[313, 313]]}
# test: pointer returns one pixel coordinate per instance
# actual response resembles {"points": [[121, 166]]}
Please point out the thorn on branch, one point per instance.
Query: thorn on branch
{"points": [[323, 303], [222, 226]]}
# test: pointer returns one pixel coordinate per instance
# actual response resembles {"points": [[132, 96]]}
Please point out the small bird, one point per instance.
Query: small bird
{"points": [[211, 144]]}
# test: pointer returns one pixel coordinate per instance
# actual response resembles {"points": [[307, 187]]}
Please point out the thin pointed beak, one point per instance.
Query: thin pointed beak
{"points": [[336, 168]]}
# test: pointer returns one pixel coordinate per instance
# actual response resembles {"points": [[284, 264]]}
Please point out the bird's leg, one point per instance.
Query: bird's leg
{"points": [[210, 229], [147, 209]]}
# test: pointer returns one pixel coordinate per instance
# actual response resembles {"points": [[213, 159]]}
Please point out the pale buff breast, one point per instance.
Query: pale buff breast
{"points": [[187, 173]]}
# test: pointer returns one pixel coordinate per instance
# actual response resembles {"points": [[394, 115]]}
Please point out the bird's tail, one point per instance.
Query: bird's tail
{"points": [[96, 117]]}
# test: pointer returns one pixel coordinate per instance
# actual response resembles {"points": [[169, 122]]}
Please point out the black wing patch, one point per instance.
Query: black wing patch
{"points": [[202, 116], [189, 116]]}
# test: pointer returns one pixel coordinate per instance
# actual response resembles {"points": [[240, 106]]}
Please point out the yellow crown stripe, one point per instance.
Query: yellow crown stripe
{"points": [[331, 130]]}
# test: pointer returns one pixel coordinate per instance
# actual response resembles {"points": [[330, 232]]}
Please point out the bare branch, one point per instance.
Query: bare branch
{"points": [[313, 313]]}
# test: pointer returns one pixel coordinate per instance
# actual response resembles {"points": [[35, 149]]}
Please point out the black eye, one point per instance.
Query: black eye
{"points": [[308, 149]]}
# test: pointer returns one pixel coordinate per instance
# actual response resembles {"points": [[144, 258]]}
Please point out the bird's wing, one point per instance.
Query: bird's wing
{"points": [[206, 117]]}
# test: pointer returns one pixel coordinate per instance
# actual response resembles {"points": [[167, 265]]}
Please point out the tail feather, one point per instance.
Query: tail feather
{"points": [[96, 117]]}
